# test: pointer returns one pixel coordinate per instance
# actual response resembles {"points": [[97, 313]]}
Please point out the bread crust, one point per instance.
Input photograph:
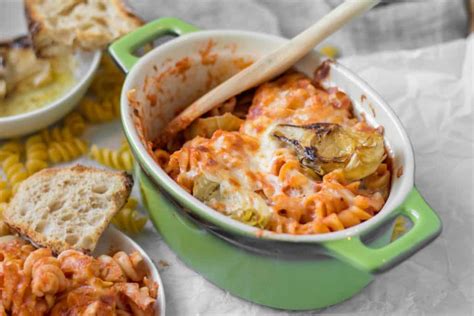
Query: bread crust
{"points": [[50, 42], [119, 199]]}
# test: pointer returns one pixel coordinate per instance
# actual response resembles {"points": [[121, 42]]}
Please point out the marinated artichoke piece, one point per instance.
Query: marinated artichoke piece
{"points": [[251, 217], [324, 147], [252, 210], [205, 127], [205, 189]]}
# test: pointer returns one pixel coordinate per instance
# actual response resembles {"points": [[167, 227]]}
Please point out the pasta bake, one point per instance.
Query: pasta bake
{"points": [[34, 282], [290, 157]]}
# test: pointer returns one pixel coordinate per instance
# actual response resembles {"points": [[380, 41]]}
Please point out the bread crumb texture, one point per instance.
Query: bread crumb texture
{"points": [[65, 208]]}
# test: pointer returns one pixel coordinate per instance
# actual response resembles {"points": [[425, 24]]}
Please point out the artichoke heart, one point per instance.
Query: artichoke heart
{"points": [[205, 127], [324, 147], [250, 209], [205, 189]]}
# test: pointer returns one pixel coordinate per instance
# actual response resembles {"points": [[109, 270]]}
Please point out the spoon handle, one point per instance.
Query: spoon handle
{"points": [[270, 65]]}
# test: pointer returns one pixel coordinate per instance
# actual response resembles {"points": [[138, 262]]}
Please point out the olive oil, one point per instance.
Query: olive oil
{"points": [[28, 99]]}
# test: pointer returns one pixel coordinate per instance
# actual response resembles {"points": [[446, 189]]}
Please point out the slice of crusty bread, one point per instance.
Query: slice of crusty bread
{"points": [[64, 208], [58, 25]]}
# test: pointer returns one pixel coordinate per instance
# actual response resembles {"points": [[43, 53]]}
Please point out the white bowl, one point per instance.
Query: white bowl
{"points": [[114, 240], [86, 63]]}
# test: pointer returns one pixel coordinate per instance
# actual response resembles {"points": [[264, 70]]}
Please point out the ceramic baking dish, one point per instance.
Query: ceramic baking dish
{"points": [[178, 71]]}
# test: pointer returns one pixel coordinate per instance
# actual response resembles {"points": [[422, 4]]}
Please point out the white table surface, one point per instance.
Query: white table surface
{"points": [[431, 90]]}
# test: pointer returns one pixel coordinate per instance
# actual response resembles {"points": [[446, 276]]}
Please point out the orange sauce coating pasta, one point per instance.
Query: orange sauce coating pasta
{"points": [[34, 282], [251, 167]]}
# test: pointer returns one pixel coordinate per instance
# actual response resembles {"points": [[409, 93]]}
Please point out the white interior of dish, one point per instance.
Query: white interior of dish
{"points": [[175, 91]]}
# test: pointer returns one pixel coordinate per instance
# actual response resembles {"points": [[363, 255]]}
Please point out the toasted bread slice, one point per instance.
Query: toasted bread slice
{"points": [[67, 208], [59, 25]]}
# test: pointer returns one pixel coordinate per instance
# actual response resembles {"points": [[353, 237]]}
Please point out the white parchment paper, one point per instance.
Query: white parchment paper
{"points": [[431, 90]]}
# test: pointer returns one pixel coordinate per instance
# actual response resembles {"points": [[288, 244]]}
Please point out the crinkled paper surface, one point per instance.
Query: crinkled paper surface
{"points": [[431, 90]]}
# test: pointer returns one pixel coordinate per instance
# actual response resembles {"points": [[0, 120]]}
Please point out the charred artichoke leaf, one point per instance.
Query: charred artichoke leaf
{"points": [[205, 189], [324, 147], [205, 127]]}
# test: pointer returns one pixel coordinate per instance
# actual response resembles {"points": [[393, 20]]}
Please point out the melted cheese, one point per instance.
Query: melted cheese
{"points": [[254, 170]]}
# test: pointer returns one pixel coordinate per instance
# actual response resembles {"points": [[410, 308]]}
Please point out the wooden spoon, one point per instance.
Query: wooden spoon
{"points": [[268, 66]]}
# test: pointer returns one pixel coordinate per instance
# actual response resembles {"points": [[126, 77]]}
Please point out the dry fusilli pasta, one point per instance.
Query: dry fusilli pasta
{"points": [[14, 170], [3, 227], [129, 219], [76, 123], [5, 192], [36, 154], [121, 159], [66, 150], [12, 146], [399, 228], [56, 134], [96, 111], [104, 105]]}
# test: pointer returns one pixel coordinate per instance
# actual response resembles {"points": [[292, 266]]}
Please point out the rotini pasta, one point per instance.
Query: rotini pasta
{"points": [[14, 170], [57, 134], [129, 219], [104, 105], [12, 146], [162, 157], [5, 192], [96, 111], [75, 123], [399, 228], [300, 162], [117, 159], [4, 230], [36, 154], [66, 150], [34, 282]]}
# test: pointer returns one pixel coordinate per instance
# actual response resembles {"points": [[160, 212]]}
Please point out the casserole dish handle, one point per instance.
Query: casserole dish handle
{"points": [[426, 226], [123, 49]]}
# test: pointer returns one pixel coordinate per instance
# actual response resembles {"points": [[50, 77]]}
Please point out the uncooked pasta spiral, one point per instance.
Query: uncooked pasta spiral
{"points": [[5, 195], [96, 111], [57, 134], [3, 227], [76, 123], [129, 219], [36, 154], [5, 192], [66, 150], [14, 170], [399, 228], [121, 159], [13, 146], [104, 105]]}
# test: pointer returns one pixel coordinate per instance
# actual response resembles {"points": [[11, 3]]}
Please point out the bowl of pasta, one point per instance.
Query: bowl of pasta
{"points": [[310, 162], [118, 277]]}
